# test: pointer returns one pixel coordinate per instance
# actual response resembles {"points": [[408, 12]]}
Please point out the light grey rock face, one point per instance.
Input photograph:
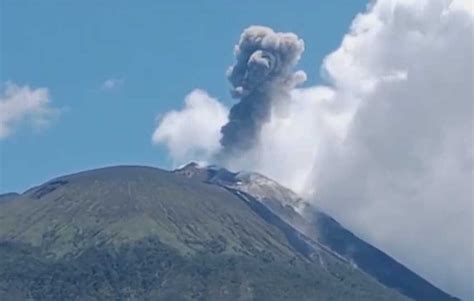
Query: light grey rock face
{"points": [[263, 188], [257, 185]]}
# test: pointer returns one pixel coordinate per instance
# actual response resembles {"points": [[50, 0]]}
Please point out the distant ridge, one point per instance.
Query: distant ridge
{"points": [[5, 197]]}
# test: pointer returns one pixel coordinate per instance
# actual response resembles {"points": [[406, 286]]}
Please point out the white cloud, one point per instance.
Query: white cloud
{"points": [[193, 132], [24, 105], [405, 169], [387, 148], [111, 84], [289, 146]]}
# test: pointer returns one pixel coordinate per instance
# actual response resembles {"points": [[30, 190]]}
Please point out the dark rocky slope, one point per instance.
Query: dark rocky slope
{"points": [[323, 229]]}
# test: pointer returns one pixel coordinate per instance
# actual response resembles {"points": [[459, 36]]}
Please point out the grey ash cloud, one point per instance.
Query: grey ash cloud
{"points": [[261, 77]]}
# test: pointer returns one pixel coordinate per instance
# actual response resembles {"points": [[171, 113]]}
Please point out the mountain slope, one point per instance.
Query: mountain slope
{"points": [[140, 233], [8, 196], [321, 228]]}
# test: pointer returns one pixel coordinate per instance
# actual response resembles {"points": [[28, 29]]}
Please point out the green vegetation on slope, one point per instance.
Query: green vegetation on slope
{"points": [[135, 233], [149, 270]]}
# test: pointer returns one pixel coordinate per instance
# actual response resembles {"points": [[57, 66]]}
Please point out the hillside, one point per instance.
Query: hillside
{"points": [[8, 196], [140, 233], [326, 232]]}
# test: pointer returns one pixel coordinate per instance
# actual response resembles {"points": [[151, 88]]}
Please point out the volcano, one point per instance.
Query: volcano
{"points": [[196, 233]]}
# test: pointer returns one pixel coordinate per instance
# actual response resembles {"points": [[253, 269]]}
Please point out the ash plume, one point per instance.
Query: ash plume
{"points": [[261, 77]]}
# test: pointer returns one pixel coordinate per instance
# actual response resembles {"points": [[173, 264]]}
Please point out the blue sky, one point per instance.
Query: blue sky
{"points": [[156, 52], [402, 157]]}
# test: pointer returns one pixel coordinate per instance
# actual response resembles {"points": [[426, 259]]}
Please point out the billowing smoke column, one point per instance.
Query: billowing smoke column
{"points": [[262, 77]]}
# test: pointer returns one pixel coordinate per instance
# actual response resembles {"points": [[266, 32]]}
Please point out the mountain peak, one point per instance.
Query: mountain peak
{"points": [[253, 183], [321, 228]]}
